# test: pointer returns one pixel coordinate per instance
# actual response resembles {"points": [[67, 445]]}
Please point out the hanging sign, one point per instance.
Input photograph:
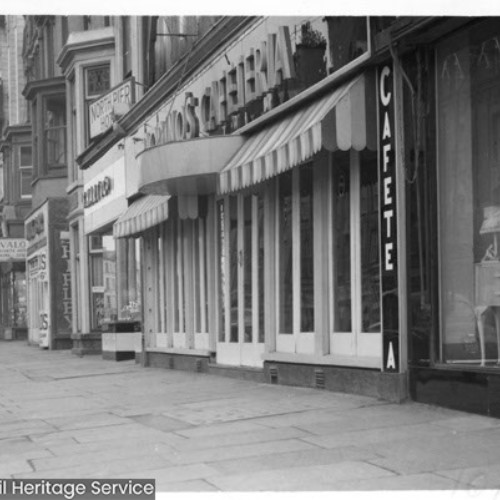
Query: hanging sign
{"points": [[104, 111], [387, 167]]}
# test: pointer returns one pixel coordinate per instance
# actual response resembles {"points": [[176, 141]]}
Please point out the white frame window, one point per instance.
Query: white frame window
{"points": [[299, 339], [25, 172], [356, 342]]}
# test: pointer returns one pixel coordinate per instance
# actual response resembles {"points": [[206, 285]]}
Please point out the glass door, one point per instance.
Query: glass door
{"points": [[241, 220]]}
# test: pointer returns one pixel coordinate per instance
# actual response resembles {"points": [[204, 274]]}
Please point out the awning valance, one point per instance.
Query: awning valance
{"points": [[343, 119], [143, 214]]}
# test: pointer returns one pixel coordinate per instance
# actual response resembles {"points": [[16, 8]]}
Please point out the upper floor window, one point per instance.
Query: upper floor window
{"points": [[54, 131], [25, 171], [126, 45]]}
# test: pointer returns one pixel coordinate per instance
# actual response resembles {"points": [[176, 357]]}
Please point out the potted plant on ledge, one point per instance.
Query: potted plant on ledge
{"points": [[310, 64]]}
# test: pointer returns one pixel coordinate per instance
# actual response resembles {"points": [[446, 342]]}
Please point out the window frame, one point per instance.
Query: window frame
{"points": [[23, 169]]}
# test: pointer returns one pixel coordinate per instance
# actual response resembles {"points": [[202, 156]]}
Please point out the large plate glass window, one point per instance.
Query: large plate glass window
{"points": [[354, 256], [295, 261], [468, 115]]}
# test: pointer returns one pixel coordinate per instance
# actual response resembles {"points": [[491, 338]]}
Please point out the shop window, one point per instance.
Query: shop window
{"points": [[200, 277], [102, 252], [285, 191], [468, 117], [54, 131], [234, 260], [296, 251], [221, 226], [25, 171], [354, 253], [341, 245], [132, 304]]}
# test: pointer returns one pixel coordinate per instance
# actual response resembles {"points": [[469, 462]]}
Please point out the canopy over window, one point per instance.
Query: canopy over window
{"points": [[143, 214], [344, 119]]}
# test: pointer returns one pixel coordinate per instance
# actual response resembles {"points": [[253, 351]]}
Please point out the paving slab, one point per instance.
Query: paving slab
{"points": [[427, 481], [299, 478], [186, 486], [175, 474], [63, 416], [484, 477], [232, 452], [256, 436], [92, 420], [292, 459]]}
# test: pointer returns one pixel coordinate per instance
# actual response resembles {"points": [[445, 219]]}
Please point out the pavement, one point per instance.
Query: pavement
{"points": [[62, 416]]}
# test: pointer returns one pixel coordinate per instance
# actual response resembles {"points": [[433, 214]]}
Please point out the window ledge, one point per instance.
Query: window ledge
{"points": [[326, 360], [180, 350]]}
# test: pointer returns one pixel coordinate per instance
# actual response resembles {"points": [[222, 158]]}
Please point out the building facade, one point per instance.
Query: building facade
{"points": [[15, 149], [302, 200]]}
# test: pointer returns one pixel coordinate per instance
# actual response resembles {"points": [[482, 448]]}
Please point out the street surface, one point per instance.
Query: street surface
{"points": [[67, 417]]}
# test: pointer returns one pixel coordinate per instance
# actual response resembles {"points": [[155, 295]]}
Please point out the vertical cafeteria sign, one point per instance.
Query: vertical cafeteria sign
{"points": [[387, 166]]}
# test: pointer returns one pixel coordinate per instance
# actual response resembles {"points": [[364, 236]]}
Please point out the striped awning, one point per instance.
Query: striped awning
{"points": [[143, 214], [343, 119]]}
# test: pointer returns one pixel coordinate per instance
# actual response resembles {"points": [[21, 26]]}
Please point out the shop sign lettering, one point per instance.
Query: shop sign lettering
{"points": [[44, 322], [258, 73], [35, 227], [37, 265], [97, 192], [388, 195], [388, 221], [67, 310], [12, 249], [102, 111]]}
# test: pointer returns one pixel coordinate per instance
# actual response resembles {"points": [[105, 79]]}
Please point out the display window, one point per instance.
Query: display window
{"points": [[177, 268], [115, 284], [354, 255], [468, 157], [295, 259]]}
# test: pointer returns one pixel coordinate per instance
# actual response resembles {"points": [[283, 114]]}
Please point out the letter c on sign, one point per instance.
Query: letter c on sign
{"points": [[385, 97]]}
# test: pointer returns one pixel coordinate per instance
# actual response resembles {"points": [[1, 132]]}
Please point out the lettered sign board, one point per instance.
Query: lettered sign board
{"points": [[388, 217]]}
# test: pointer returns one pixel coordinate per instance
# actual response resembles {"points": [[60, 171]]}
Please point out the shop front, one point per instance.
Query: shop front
{"points": [[271, 257], [13, 294], [454, 199], [48, 276], [113, 264]]}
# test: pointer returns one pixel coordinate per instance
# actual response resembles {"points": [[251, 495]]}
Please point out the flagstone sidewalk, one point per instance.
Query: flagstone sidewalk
{"points": [[62, 416]]}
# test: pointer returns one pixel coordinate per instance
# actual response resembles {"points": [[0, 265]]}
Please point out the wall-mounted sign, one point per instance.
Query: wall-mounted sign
{"points": [[259, 75], [65, 309], [104, 110], [37, 266], [97, 192], [35, 226], [387, 166], [12, 249]]}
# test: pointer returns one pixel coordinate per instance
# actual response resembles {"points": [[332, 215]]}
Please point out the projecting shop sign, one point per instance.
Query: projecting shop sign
{"points": [[115, 103], [12, 249], [387, 166]]}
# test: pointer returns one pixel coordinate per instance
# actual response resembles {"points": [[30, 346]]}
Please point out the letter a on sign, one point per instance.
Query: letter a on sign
{"points": [[391, 362]]}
